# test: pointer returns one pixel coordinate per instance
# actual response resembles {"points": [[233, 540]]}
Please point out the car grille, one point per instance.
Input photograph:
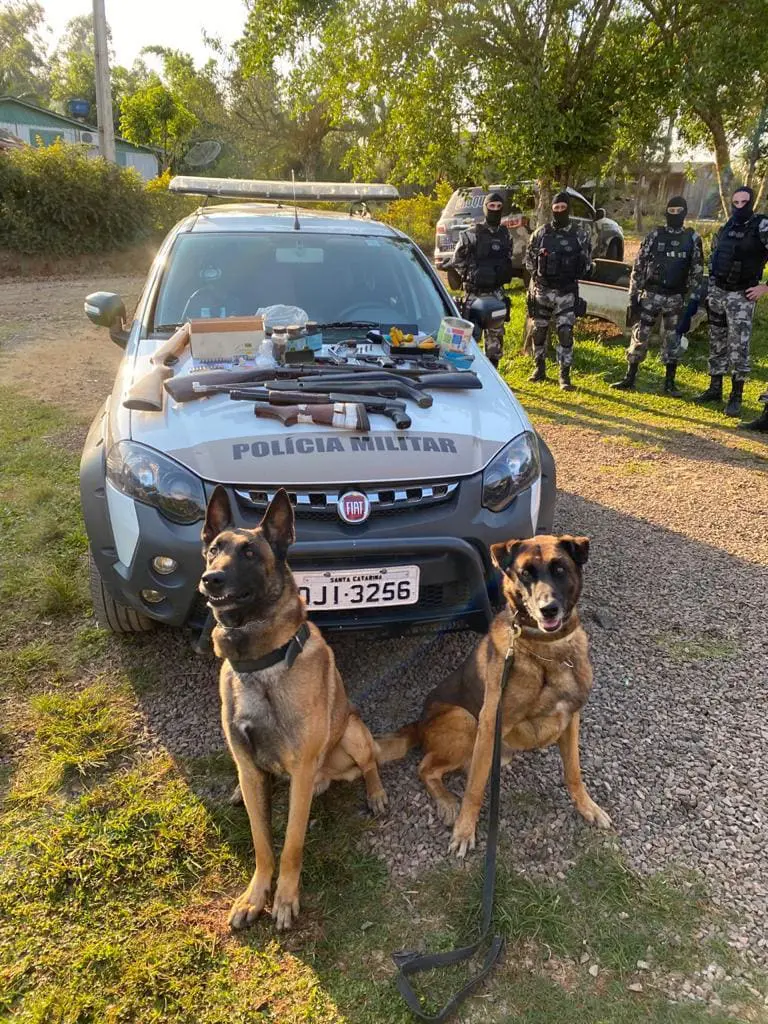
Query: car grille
{"points": [[385, 500]]}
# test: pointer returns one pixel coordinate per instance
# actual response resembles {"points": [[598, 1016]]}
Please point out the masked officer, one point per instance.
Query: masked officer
{"points": [[558, 254], [739, 254], [668, 268], [483, 260]]}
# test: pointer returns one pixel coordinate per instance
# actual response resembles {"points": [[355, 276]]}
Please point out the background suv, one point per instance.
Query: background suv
{"points": [[465, 207]]}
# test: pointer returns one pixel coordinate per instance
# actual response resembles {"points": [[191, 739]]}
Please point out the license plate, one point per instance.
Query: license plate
{"points": [[359, 588]]}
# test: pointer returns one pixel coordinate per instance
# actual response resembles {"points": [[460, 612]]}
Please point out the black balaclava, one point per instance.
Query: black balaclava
{"points": [[562, 220], [742, 216], [675, 220], [493, 217]]}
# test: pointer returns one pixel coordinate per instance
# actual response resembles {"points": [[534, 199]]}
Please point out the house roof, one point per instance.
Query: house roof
{"points": [[69, 120]]}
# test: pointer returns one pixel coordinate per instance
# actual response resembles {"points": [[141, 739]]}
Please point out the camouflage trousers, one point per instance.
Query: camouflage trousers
{"points": [[652, 306], [730, 331], [545, 305], [493, 337]]}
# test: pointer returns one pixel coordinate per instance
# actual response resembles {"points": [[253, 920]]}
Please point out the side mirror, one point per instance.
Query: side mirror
{"points": [[106, 309], [599, 213]]}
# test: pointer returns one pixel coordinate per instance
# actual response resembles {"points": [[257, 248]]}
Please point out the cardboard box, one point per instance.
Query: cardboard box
{"points": [[226, 339]]}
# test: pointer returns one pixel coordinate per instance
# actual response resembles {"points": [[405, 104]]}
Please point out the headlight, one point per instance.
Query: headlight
{"points": [[515, 467], [154, 479]]}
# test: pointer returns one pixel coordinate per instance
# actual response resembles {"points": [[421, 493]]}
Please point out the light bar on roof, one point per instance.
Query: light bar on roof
{"points": [[282, 191]]}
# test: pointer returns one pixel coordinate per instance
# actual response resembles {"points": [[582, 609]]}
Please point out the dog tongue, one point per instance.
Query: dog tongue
{"points": [[552, 624]]}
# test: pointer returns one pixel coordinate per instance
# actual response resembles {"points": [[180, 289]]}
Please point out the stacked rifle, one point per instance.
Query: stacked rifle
{"points": [[341, 397]]}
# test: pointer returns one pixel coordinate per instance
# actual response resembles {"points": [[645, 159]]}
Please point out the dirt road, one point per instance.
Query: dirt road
{"points": [[675, 737]]}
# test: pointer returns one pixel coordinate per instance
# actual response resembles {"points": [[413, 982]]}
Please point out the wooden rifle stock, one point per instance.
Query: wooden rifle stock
{"points": [[342, 415], [146, 393]]}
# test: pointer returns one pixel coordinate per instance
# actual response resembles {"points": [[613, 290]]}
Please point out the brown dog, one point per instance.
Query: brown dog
{"points": [[283, 705], [549, 683]]}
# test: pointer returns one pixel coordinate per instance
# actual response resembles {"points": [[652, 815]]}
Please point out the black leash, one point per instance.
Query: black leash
{"points": [[410, 962]]}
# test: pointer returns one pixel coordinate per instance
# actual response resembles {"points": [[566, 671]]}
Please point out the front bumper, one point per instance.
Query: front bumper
{"points": [[449, 542]]}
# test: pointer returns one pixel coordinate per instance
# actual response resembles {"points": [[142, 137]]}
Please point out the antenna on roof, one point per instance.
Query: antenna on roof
{"points": [[296, 225]]}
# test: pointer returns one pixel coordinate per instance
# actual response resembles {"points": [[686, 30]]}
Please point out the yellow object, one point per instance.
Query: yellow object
{"points": [[398, 338]]}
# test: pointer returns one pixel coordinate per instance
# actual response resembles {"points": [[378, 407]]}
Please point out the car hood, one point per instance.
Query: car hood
{"points": [[222, 441]]}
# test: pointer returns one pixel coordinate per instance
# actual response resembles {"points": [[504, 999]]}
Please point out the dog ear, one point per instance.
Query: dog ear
{"points": [[577, 548], [278, 523], [218, 515], [503, 555]]}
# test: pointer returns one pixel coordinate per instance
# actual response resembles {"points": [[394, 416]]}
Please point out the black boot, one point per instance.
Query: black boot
{"points": [[714, 392], [540, 371], [670, 388], [627, 382], [734, 401], [761, 423], [565, 379]]}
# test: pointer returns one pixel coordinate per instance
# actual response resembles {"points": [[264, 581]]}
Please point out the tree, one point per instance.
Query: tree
{"points": [[458, 88], [153, 116], [23, 71], [718, 53]]}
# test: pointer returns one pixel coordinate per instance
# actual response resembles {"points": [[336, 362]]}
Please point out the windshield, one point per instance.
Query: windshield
{"points": [[330, 277]]}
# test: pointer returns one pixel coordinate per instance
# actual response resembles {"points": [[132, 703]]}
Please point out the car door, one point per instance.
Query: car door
{"points": [[583, 214]]}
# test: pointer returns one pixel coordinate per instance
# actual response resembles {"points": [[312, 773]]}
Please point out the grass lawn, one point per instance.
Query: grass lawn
{"points": [[117, 867]]}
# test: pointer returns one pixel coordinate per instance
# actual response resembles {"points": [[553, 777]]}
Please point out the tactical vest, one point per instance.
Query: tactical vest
{"points": [[670, 261], [492, 258], [740, 255], [560, 258]]}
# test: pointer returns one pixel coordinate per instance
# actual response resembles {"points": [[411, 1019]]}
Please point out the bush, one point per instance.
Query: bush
{"points": [[57, 201], [166, 208], [418, 215]]}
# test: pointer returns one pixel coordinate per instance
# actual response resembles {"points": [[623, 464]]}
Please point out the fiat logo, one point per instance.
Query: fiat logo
{"points": [[354, 507]]}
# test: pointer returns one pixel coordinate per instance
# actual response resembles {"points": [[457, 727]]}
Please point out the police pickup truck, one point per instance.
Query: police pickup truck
{"points": [[393, 523]]}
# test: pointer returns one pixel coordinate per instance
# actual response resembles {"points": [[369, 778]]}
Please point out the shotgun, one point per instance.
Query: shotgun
{"points": [[147, 392], [342, 415], [392, 408], [382, 388], [185, 388]]}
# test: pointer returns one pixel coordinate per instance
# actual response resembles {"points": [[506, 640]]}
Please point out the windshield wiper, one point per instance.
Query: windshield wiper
{"points": [[165, 327], [348, 325]]}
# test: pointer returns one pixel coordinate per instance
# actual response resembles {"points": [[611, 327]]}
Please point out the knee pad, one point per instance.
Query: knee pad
{"points": [[717, 317], [565, 335], [540, 332]]}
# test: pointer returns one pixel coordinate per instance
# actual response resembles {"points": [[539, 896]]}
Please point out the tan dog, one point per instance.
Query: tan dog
{"points": [[283, 705], [550, 681]]}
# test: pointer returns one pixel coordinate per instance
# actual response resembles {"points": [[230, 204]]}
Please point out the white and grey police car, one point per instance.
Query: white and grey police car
{"points": [[393, 526]]}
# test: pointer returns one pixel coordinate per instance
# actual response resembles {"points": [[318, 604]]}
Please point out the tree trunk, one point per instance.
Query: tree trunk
{"points": [[544, 209], [639, 199], [754, 148], [722, 162]]}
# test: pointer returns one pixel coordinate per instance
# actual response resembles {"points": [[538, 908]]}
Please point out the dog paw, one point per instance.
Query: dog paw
{"points": [[321, 786], [285, 909], [378, 802], [247, 907], [236, 796], [594, 814], [462, 840], [448, 810]]}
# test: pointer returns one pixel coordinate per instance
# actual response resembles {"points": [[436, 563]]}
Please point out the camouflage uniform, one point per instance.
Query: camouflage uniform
{"points": [[546, 303], [654, 303], [730, 321], [493, 336]]}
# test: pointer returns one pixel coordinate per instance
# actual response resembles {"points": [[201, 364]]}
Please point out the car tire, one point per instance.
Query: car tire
{"points": [[117, 618], [615, 250]]}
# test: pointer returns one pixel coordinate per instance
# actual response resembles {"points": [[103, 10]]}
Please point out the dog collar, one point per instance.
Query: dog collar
{"points": [[289, 652]]}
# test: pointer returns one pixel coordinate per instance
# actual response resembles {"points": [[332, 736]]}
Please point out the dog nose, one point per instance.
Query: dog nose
{"points": [[213, 581], [549, 611]]}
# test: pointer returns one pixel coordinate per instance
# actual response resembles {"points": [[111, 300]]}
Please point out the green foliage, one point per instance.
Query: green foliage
{"points": [[418, 215], [22, 51], [154, 116], [166, 208], [55, 200]]}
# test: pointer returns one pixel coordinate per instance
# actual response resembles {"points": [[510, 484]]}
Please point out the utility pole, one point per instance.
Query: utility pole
{"points": [[103, 84]]}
